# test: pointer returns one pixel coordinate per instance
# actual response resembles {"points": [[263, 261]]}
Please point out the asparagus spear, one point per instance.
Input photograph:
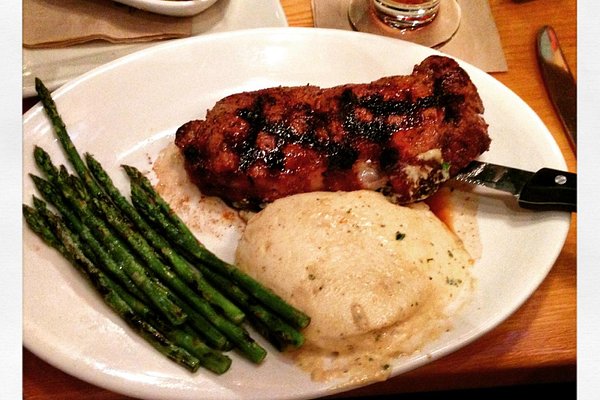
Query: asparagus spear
{"points": [[200, 312], [153, 207], [147, 253], [200, 324], [205, 328], [157, 293], [93, 245], [185, 238], [63, 136], [184, 337], [180, 265], [234, 332], [68, 248], [214, 337], [277, 331], [76, 195], [181, 336]]}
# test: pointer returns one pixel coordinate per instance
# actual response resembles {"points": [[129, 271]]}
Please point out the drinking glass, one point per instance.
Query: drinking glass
{"points": [[428, 22], [406, 13]]}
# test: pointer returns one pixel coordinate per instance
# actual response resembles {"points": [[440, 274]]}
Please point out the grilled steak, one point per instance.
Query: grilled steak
{"points": [[403, 135]]}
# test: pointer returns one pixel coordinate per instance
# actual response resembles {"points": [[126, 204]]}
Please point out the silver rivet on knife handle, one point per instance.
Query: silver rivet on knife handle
{"points": [[560, 179]]}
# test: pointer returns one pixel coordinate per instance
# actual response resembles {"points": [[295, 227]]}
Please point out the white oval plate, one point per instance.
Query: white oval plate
{"points": [[174, 8], [128, 110]]}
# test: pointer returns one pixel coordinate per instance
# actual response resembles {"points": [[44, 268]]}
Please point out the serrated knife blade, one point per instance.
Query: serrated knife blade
{"points": [[547, 189]]}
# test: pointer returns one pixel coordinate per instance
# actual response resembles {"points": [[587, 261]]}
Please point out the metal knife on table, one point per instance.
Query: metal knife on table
{"points": [[547, 189], [559, 80]]}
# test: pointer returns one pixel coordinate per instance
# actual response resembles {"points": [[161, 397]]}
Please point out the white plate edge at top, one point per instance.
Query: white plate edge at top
{"points": [[174, 8]]}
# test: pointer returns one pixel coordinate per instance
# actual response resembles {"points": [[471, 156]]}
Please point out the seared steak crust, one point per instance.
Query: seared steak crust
{"points": [[402, 134]]}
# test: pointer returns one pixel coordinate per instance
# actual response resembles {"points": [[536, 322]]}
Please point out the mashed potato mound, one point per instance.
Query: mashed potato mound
{"points": [[377, 279]]}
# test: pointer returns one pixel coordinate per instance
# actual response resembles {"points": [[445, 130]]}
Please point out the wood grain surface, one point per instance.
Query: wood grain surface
{"points": [[538, 343]]}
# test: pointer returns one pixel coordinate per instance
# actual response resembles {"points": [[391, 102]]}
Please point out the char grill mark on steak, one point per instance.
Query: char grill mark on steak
{"points": [[340, 155], [397, 134], [379, 130]]}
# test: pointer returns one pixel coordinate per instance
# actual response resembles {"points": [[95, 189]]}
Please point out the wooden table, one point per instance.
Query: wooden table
{"points": [[537, 344]]}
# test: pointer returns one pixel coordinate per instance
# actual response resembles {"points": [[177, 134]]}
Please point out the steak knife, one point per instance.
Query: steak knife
{"points": [[559, 81], [547, 189]]}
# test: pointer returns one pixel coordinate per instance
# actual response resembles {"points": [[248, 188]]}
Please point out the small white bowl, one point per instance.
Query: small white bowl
{"points": [[175, 8]]}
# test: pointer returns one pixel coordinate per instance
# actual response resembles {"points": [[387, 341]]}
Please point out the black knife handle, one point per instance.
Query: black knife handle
{"points": [[550, 189]]}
